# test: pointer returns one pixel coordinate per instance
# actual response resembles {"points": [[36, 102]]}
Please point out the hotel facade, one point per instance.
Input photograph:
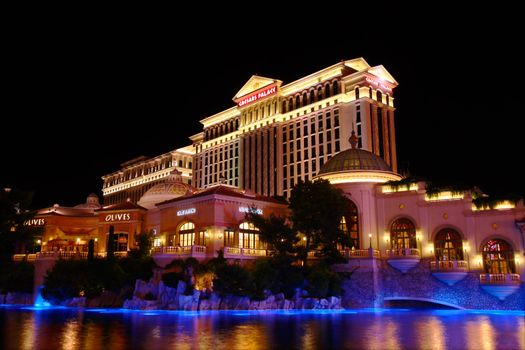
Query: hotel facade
{"points": [[336, 124]]}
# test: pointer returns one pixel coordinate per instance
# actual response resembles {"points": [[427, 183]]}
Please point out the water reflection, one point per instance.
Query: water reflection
{"points": [[77, 329]]}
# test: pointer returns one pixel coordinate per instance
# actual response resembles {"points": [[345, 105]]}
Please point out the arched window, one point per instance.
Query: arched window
{"points": [[297, 101], [335, 87], [249, 236], [403, 234], [319, 93], [283, 109], [305, 96], [448, 245], [290, 104], [498, 257], [187, 234], [327, 91], [312, 96], [357, 93], [349, 225], [379, 96]]}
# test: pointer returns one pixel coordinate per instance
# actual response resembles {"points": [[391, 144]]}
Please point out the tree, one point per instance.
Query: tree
{"points": [[91, 250], [144, 241], [317, 208], [111, 243], [276, 232], [14, 212]]}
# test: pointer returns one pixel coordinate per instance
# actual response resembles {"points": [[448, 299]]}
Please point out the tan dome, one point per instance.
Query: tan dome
{"points": [[172, 188], [354, 159]]}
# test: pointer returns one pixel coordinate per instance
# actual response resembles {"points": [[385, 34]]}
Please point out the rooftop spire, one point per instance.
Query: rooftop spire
{"points": [[353, 139]]}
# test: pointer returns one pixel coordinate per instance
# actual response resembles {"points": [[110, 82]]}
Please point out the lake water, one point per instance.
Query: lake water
{"points": [[67, 328]]}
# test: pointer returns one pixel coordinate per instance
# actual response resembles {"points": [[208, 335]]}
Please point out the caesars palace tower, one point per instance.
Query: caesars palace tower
{"points": [[276, 134]]}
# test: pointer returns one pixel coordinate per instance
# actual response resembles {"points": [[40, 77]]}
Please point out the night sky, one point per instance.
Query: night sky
{"points": [[79, 103]]}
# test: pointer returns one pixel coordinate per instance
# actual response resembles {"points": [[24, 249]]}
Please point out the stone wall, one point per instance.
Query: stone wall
{"points": [[167, 298], [418, 283]]}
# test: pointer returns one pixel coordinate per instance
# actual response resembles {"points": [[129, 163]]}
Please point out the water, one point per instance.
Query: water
{"points": [[68, 328], [39, 300]]}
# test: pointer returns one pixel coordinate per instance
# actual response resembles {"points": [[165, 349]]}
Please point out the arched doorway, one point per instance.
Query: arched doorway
{"points": [[403, 234], [349, 225], [498, 257], [448, 245], [187, 234], [249, 236]]}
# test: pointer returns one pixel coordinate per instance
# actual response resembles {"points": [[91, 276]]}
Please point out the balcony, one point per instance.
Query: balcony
{"points": [[164, 255], [403, 259], [500, 285], [243, 253], [24, 257], [361, 253], [450, 271]]}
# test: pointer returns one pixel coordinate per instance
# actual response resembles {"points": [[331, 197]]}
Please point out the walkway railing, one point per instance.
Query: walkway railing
{"points": [[499, 278], [235, 252], [191, 250], [22, 257], [361, 253], [450, 265], [403, 253]]}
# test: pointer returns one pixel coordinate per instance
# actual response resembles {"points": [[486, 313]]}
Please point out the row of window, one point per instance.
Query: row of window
{"points": [[221, 129], [147, 169], [259, 111], [313, 95]]}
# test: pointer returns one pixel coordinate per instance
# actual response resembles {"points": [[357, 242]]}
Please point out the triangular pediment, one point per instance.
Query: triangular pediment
{"points": [[381, 72], [255, 83]]}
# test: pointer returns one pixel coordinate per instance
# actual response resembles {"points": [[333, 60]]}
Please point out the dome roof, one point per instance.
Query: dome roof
{"points": [[172, 188], [354, 159]]}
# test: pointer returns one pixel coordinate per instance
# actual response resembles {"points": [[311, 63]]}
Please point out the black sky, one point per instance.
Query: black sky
{"points": [[80, 102]]}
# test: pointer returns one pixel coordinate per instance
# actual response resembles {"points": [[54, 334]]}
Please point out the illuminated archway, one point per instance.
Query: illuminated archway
{"points": [[187, 234], [349, 225], [249, 236], [403, 234], [498, 257], [448, 245]]}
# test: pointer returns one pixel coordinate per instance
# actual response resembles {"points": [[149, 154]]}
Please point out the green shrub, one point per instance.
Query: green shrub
{"points": [[232, 279]]}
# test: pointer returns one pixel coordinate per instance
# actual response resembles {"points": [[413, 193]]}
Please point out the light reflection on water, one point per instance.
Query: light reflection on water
{"points": [[54, 328]]}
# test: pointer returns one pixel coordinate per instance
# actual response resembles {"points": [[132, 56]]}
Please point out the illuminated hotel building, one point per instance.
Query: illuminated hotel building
{"points": [[138, 175], [279, 134], [276, 134], [194, 200]]}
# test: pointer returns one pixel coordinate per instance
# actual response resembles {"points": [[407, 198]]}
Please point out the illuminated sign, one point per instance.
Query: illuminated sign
{"points": [[35, 222], [378, 83], [258, 95], [186, 212], [118, 217], [251, 210]]}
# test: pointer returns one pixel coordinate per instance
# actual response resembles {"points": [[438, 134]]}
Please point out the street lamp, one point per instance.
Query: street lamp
{"points": [[370, 237]]}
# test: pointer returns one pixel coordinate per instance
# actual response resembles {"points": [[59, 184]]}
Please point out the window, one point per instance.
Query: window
{"points": [[304, 99], [249, 236], [312, 96], [187, 234], [403, 234], [498, 257], [379, 96], [349, 225], [356, 93], [229, 238], [327, 90], [335, 87], [448, 245]]}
